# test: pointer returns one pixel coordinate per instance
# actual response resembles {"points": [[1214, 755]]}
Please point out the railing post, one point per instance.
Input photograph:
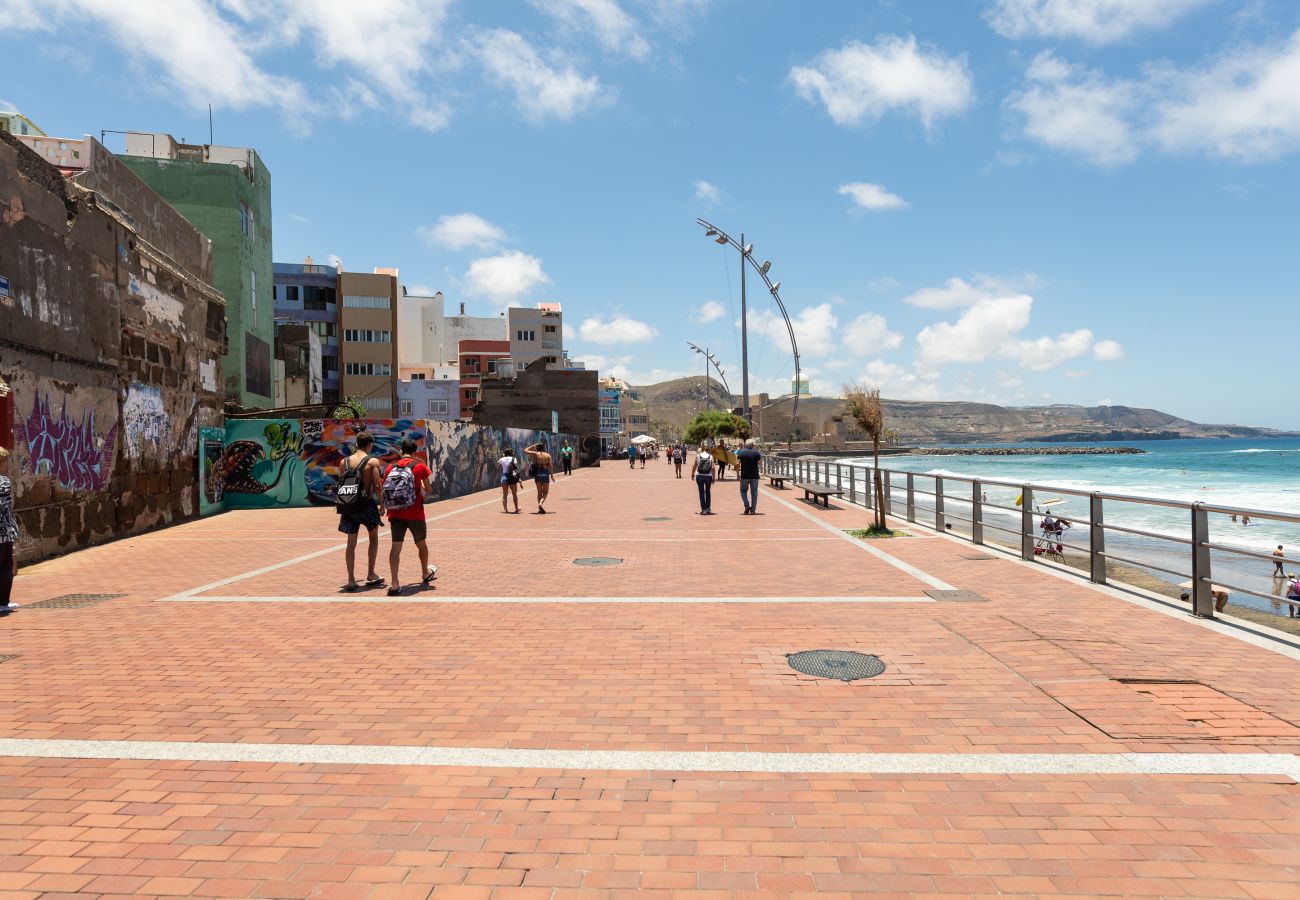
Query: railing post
{"points": [[1202, 599], [1096, 540], [869, 488], [887, 484], [911, 497], [853, 483], [839, 476], [1026, 523], [938, 503], [976, 513]]}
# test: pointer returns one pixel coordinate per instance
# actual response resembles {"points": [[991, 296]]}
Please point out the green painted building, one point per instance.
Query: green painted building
{"points": [[225, 192]]}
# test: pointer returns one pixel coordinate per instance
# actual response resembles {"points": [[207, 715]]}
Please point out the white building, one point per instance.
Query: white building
{"points": [[428, 338]]}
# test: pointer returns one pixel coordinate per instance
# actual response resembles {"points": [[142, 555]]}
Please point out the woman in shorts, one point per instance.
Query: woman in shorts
{"points": [[509, 478], [541, 473]]}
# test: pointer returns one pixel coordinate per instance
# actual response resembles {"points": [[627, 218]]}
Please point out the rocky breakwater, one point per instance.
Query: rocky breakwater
{"points": [[1024, 451]]}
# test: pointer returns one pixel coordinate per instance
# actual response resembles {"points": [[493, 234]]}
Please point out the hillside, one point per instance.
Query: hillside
{"points": [[930, 422]]}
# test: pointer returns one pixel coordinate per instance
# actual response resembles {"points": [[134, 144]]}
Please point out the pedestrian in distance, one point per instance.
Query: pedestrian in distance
{"points": [[406, 485], [749, 460], [1293, 595], [566, 458], [702, 472], [359, 501], [1278, 569], [510, 478], [542, 466], [631, 456], [8, 537], [644, 453], [721, 459], [679, 457]]}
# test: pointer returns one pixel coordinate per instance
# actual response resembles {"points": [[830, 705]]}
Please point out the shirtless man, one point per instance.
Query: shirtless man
{"points": [[542, 465]]}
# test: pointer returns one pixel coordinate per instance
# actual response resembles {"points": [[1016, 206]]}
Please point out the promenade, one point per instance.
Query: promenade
{"points": [[217, 719]]}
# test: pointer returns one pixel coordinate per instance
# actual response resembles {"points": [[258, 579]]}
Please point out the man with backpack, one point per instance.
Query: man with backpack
{"points": [[702, 472], [360, 504], [406, 484]]}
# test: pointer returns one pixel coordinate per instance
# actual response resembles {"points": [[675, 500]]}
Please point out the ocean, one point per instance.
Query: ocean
{"points": [[1255, 473]]}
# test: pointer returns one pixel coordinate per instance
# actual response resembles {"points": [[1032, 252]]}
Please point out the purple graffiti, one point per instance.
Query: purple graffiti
{"points": [[67, 450]]}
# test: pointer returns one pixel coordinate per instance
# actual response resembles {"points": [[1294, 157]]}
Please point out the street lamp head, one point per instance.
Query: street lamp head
{"points": [[776, 287], [721, 239], [749, 248], [767, 264], [711, 232]]}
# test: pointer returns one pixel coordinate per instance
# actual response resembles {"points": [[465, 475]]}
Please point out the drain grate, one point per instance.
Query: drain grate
{"points": [[598, 561], [842, 665], [957, 596], [657, 519], [72, 601], [5, 657]]}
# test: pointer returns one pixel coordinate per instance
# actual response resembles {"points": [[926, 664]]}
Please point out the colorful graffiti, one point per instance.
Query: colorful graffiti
{"points": [[262, 463], [143, 419], [67, 450]]}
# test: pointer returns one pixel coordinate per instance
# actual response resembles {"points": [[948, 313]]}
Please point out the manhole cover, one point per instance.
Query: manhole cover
{"points": [[842, 665], [957, 596], [658, 519], [598, 561], [71, 601]]}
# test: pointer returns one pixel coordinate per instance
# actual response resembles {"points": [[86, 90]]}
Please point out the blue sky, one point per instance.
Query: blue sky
{"points": [[1013, 201]]}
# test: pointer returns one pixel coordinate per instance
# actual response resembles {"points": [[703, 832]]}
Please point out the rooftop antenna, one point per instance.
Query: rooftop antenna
{"points": [[210, 141]]}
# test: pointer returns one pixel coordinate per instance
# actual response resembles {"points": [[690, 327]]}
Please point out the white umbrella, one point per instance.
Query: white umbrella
{"points": [[643, 439]]}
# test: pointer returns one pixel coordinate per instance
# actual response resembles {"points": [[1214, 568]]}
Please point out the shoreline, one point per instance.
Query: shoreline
{"points": [[1026, 451]]}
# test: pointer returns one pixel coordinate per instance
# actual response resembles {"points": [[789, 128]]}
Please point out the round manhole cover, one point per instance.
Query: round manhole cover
{"points": [[658, 519], [598, 561], [842, 665]]}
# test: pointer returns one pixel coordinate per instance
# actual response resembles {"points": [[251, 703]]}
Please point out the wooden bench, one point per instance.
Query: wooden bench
{"points": [[812, 490], [777, 481]]}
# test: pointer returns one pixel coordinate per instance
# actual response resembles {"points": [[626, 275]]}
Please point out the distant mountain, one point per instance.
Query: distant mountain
{"points": [[940, 422]]}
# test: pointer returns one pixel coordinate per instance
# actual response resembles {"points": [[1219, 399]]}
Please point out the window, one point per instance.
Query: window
{"points": [[550, 329], [252, 288], [471, 364], [355, 368], [291, 293], [245, 220], [377, 403], [330, 364], [367, 336], [275, 292], [437, 407], [523, 335], [492, 366], [317, 298], [550, 360], [324, 329], [404, 407], [356, 301], [418, 376]]}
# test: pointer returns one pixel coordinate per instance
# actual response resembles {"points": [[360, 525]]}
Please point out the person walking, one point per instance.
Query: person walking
{"points": [[721, 459], [566, 458], [359, 501], [1293, 594], [679, 457], [749, 460], [631, 456], [542, 466], [1280, 557], [702, 472], [406, 484], [509, 478], [644, 454], [8, 537]]}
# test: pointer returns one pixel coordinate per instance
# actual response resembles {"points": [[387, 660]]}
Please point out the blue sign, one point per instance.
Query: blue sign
{"points": [[4, 287]]}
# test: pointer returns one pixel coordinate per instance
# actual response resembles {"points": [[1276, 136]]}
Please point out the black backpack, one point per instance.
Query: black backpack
{"points": [[350, 496]]}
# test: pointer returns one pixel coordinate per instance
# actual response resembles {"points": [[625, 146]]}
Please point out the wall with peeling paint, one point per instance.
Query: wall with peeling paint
{"points": [[111, 346]]}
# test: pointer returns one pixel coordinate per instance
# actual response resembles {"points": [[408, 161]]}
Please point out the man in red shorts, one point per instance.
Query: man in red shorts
{"points": [[406, 484]]}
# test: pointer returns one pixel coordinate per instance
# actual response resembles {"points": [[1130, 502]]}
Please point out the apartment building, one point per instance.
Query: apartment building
{"points": [[368, 339], [537, 333], [307, 294]]}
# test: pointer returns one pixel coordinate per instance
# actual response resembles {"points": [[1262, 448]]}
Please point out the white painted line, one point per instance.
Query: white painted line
{"points": [[865, 545], [425, 597], [1211, 764], [308, 556]]}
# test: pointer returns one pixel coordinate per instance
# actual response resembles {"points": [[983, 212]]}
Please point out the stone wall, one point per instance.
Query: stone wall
{"points": [[111, 348]]}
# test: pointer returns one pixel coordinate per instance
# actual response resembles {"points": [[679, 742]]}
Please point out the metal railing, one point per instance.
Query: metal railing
{"points": [[1196, 549]]}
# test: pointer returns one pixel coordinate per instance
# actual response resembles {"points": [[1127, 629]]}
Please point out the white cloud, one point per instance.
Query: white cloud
{"points": [[505, 278], [1075, 373], [710, 311], [1079, 110], [709, 193], [568, 332], [604, 363], [542, 91], [955, 293], [814, 329], [1107, 351], [868, 335], [1243, 105], [859, 83], [871, 196], [1094, 21], [619, 330], [900, 383], [616, 31], [464, 230], [1041, 354], [981, 332], [884, 284]]}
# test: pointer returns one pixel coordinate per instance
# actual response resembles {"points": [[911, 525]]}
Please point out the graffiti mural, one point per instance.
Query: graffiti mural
{"points": [[261, 465], [463, 456], [337, 439], [143, 419], [69, 451]]}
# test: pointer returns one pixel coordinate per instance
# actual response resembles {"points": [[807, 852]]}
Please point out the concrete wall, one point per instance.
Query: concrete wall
{"points": [[209, 194], [111, 349], [527, 400]]}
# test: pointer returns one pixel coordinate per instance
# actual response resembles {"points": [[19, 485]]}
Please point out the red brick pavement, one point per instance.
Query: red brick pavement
{"points": [[1045, 666]]}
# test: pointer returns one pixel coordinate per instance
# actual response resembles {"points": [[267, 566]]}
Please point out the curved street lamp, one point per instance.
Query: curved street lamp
{"points": [[747, 254], [721, 377]]}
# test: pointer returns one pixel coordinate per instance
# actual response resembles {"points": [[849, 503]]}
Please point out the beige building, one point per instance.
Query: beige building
{"points": [[537, 333], [368, 339]]}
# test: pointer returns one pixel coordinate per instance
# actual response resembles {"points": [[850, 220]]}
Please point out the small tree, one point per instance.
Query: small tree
{"points": [[715, 423], [863, 406], [350, 408]]}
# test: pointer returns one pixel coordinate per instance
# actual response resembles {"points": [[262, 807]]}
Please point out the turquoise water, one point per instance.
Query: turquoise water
{"points": [[1255, 473]]}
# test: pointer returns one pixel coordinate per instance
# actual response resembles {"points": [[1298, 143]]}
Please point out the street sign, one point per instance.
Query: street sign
{"points": [[4, 287], [555, 422]]}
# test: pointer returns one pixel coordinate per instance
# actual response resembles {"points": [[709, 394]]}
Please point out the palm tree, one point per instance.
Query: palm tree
{"points": [[863, 406]]}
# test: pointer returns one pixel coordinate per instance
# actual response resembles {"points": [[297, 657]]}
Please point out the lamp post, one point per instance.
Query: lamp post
{"points": [[747, 255], [710, 358]]}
